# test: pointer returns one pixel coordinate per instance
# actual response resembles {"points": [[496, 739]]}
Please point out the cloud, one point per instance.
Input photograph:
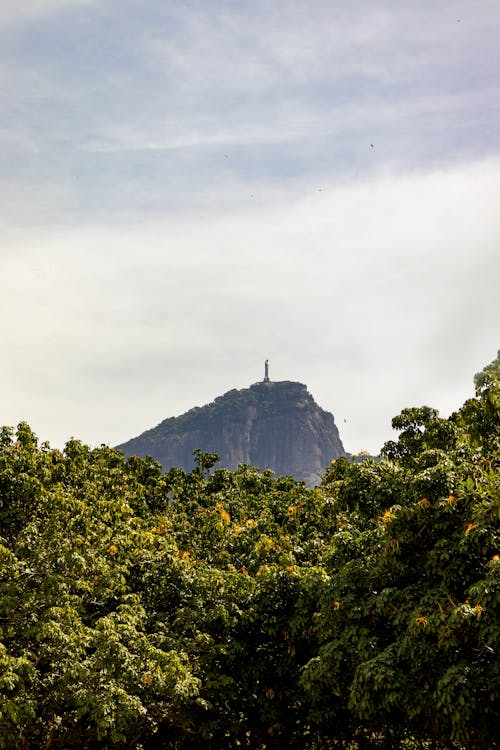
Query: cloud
{"points": [[366, 293], [126, 109], [12, 12], [189, 189]]}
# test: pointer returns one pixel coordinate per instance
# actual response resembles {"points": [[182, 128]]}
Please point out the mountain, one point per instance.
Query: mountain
{"points": [[272, 425]]}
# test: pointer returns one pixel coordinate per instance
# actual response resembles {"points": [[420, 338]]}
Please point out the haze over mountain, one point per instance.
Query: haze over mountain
{"points": [[272, 425]]}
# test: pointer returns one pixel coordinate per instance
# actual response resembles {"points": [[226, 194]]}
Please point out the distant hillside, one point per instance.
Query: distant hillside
{"points": [[272, 425]]}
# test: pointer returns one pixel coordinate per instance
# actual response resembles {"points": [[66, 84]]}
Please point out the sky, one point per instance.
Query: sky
{"points": [[190, 188]]}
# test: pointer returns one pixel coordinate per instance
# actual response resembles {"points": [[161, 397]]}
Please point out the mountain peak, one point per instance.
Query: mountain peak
{"points": [[272, 424]]}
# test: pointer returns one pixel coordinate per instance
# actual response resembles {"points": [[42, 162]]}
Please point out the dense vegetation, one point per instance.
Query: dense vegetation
{"points": [[219, 609]]}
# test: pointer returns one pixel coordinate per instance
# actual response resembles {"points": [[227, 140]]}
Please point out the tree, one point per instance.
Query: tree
{"points": [[226, 609], [408, 619]]}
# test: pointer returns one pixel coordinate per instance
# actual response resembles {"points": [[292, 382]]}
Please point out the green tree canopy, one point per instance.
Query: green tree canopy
{"points": [[227, 609]]}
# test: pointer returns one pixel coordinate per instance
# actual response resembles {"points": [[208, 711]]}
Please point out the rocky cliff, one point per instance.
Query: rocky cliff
{"points": [[272, 425]]}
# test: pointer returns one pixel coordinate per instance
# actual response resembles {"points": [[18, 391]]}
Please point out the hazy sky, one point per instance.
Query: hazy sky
{"points": [[189, 188]]}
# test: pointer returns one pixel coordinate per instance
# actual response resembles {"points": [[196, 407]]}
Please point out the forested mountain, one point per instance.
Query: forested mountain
{"points": [[219, 610], [273, 425]]}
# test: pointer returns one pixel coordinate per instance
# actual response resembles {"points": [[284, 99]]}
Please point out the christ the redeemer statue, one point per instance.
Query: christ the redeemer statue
{"points": [[266, 371]]}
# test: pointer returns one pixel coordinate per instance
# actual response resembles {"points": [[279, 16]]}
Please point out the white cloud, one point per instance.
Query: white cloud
{"points": [[186, 191], [361, 292]]}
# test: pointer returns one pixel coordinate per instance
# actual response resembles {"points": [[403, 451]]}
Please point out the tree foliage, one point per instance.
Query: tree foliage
{"points": [[225, 609]]}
